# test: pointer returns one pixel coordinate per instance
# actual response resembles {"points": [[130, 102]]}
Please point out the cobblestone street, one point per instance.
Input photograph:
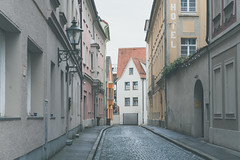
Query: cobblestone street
{"points": [[133, 142]]}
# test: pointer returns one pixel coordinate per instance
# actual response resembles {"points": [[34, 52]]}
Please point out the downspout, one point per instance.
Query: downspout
{"points": [[143, 101], [165, 60], [81, 77], [152, 80], [207, 41]]}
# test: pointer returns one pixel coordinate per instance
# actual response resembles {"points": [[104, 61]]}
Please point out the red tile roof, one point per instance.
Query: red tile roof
{"points": [[124, 54], [139, 67]]}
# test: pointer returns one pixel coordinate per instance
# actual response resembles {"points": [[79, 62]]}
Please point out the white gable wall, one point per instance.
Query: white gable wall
{"points": [[122, 93]]}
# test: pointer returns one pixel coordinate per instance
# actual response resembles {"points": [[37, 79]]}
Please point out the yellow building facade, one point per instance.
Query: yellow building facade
{"points": [[176, 28]]}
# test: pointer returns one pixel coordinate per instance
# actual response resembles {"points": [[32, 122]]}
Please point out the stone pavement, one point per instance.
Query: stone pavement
{"points": [[196, 145], [83, 147]]}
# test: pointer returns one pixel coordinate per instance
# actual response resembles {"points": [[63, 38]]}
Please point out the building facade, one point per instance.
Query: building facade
{"points": [[93, 46], [109, 90], [40, 90], [224, 38], [176, 28], [131, 86]]}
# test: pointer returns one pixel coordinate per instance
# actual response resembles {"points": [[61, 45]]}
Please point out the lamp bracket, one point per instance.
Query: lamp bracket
{"points": [[63, 55]]}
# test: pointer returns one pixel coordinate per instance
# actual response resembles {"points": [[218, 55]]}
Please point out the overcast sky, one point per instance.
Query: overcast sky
{"points": [[126, 20]]}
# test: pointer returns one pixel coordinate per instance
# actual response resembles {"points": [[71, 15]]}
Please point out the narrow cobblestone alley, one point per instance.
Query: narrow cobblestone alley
{"points": [[133, 142]]}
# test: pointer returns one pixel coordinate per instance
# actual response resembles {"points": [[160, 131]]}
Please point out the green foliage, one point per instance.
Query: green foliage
{"points": [[174, 66]]}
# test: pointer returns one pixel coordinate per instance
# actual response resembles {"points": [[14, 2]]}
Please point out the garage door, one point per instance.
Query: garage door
{"points": [[130, 118]]}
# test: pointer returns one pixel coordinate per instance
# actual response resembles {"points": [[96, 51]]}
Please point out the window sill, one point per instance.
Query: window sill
{"points": [[35, 118], [188, 14], [10, 118], [52, 118]]}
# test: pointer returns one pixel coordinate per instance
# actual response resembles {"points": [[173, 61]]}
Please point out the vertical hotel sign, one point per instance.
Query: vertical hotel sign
{"points": [[173, 30]]}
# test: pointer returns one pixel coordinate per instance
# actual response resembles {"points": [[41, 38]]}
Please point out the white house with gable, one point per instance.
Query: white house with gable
{"points": [[131, 93]]}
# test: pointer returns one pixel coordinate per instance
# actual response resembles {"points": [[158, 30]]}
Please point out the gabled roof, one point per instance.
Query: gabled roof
{"points": [[139, 67], [124, 55]]}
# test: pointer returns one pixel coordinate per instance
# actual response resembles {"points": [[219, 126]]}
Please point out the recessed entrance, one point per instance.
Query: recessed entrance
{"points": [[198, 110]]}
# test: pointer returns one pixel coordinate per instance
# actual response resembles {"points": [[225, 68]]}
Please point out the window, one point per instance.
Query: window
{"points": [[230, 89], [34, 79], [110, 93], [217, 92], [84, 53], [127, 101], [188, 5], [127, 85], [135, 85], [62, 94], [91, 61], [87, 56], [188, 46], [52, 107], [2, 74], [135, 101], [130, 71], [228, 10]]}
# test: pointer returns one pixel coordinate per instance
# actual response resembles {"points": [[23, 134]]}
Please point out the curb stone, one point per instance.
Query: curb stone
{"points": [[200, 153], [95, 146]]}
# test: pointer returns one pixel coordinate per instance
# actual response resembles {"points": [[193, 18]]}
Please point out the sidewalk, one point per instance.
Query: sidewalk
{"points": [[196, 145], [83, 148]]}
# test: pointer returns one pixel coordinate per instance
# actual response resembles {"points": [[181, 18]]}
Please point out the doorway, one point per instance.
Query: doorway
{"points": [[198, 110]]}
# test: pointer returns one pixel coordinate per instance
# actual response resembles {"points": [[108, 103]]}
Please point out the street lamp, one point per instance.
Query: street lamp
{"points": [[73, 34]]}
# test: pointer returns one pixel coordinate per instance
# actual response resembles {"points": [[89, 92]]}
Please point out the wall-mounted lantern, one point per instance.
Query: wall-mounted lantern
{"points": [[73, 34]]}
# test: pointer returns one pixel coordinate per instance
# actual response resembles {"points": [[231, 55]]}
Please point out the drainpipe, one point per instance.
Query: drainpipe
{"points": [[46, 127], [81, 78], [143, 101], [152, 80], [207, 41], [67, 119], [165, 60]]}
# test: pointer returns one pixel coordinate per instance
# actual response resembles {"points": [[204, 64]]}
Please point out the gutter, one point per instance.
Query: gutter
{"points": [[150, 20]]}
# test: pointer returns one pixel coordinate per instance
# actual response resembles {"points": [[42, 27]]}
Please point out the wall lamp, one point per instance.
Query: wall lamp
{"points": [[73, 34]]}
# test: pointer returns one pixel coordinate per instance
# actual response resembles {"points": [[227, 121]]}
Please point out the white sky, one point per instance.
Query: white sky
{"points": [[126, 19]]}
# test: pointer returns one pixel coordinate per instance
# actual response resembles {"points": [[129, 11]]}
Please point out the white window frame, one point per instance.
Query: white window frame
{"points": [[125, 86], [2, 73], [135, 85], [188, 45], [230, 110], [217, 106], [125, 101], [188, 7], [29, 82], [135, 98], [130, 71]]}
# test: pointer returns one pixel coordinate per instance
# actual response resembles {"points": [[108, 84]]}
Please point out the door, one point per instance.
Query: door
{"points": [[130, 118]]}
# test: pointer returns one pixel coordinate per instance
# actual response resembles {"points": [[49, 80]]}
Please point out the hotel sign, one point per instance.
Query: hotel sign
{"points": [[173, 29]]}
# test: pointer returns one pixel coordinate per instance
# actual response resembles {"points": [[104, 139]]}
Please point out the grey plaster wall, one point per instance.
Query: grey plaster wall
{"points": [[23, 135], [182, 114]]}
